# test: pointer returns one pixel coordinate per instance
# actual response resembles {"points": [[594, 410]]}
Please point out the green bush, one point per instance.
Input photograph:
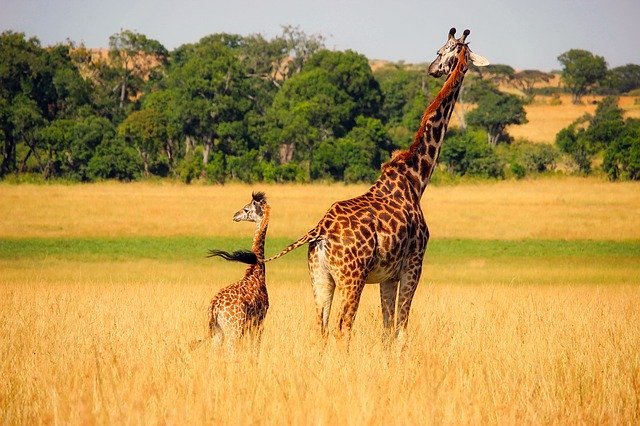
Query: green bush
{"points": [[190, 167], [160, 166], [215, 169], [114, 159], [245, 167], [622, 157], [518, 170], [290, 172], [570, 141], [470, 154], [540, 158]]}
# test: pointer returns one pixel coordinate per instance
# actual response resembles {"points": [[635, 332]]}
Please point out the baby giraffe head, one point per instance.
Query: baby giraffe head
{"points": [[450, 54], [254, 211]]}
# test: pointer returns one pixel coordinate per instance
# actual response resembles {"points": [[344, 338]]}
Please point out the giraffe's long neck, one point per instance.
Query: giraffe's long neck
{"points": [[423, 153], [260, 234]]}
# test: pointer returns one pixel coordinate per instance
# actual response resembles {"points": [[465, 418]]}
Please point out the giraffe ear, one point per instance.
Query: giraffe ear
{"points": [[478, 61]]}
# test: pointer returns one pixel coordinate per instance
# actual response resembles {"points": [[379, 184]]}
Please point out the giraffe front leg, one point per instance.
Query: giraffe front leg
{"points": [[388, 293]]}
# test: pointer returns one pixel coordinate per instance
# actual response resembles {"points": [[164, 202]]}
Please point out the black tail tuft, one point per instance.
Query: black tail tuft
{"points": [[244, 256]]}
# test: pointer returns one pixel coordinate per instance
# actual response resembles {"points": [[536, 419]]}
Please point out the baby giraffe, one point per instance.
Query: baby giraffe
{"points": [[241, 307]]}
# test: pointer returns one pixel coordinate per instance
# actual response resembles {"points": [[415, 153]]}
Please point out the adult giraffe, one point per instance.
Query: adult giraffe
{"points": [[381, 236]]}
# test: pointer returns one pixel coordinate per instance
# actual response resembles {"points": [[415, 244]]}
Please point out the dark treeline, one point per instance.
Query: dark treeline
{"points": [[246, 108]]}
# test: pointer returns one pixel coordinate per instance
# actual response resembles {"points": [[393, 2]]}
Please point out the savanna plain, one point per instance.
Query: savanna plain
{"points": [[528, 310]]}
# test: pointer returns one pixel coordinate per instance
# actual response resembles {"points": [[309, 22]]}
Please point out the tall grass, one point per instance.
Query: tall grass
{"points": [[117, 353], [533, 319]]}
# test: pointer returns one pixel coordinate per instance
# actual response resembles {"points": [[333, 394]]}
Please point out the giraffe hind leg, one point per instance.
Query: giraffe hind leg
{"points": [[216, 332], [388, 297], [323, 285], [350, 290], [323, 290], [407, 288]]}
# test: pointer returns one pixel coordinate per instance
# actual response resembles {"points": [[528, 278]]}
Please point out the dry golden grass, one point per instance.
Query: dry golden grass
{"points": [[546, 120], [95, 352], [570, 208], [528, 341], [563, 209]]}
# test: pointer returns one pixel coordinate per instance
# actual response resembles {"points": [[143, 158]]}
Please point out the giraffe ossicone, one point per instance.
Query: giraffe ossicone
{"points": [[381, 236]]}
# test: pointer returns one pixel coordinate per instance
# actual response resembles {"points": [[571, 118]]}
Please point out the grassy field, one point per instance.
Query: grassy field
{"points": [[563, 208], [527, 310], [546, 119]]}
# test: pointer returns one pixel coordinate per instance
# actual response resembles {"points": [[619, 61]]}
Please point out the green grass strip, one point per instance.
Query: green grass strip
{"points": [[195, 248]]}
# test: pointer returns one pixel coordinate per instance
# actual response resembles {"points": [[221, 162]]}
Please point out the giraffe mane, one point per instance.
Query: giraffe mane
{"points": [[259, 197], [456, 74]]}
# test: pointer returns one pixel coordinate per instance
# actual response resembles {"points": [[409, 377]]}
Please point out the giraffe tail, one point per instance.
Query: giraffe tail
{"points": [[244, 256], [307, 238]]}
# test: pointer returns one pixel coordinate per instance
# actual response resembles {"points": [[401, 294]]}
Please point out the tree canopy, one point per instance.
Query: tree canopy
{"points": [[232, 107], [495, 111], [605, 132], [581, 71]]}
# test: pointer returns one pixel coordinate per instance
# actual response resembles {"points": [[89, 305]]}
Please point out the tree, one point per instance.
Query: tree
{"points": [[582, 71], [63, 93], [622, 79], [571, 141], [56, 138], [145, 131], [21, 61], [133, 56], [495, 111], [540, 158], [606, 125], [526, 80], [356, 157], [90, 134], [351, 73], [319, 104], [496, 73], [622, 156], [522, 80], [467, 153], [114, 159], [473, 89], [299, 47], [308, 109], [213, 94], [405, 92], [27, 120], [167, 104], [602, 130]]}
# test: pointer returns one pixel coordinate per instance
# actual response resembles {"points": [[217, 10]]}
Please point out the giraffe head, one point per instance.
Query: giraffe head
{"points": [[449, 54], [254, 211]]}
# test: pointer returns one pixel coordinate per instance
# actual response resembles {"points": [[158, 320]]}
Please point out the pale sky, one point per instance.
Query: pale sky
{"points": [[526, 34]]}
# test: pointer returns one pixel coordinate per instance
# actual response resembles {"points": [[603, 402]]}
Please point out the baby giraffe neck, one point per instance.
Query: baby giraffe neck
{"points": [[260, 234]]}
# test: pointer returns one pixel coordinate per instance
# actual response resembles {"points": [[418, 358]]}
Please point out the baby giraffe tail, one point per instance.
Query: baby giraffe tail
{"points": [[244, 256]]}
